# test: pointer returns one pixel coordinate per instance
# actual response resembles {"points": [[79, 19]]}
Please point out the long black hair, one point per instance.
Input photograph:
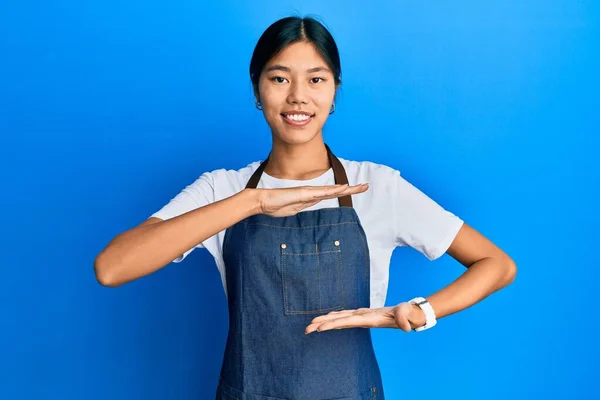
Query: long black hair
{"points": [[290, 30]]}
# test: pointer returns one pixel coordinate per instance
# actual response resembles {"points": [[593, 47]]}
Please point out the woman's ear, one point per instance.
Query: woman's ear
{"points": [[256, 92]]}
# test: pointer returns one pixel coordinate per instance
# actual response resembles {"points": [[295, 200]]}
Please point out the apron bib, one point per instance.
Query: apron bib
{"points": [[282, 272]]}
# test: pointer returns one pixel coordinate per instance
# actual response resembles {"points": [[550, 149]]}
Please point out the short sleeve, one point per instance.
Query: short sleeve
{"points": [[198, 194], [420, 222]]}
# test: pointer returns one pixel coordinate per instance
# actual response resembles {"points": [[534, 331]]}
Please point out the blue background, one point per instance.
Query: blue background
{"points": [[109, 108]]}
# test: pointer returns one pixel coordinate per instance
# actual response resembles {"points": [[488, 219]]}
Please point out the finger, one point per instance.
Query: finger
{"points": [[327, 187], [333, 193], [402, 321], [319, 321], [351, 321], [311, 203], [342, 194], [318, 326], [334, 188], [403, 324], [356, 188], [335, 316], [331, 315], [312, 193]]}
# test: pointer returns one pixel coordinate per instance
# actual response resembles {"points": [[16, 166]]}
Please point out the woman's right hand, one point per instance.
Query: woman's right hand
{"points": [[284, 202]]}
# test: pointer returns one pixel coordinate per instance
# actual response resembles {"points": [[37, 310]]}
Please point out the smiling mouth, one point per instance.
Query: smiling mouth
{"points": [[297, 117]]}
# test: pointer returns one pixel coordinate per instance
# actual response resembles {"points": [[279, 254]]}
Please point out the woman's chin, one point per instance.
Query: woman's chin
{"points": [[297, 137]]}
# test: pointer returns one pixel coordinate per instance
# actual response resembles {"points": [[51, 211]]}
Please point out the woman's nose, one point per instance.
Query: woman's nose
{"points": [[297, 93]]}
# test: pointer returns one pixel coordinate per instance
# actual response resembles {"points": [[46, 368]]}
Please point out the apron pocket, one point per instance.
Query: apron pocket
{"points": [[312, 277]]}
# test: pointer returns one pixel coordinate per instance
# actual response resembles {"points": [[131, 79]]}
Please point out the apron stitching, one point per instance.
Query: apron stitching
{"points": [[283, 275], [340, 299], [318, 274], [300, 227], [337, 308], [341, 278], [367, 256], [241, 316], [312, 254]]}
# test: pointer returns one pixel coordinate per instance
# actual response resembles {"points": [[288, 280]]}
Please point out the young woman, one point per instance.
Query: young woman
{"points": [[303, 240]]}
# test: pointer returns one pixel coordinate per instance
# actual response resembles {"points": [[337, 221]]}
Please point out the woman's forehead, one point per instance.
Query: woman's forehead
{"points": [[298, 57]]}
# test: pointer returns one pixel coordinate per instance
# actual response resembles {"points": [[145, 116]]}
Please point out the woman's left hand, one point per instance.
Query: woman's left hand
{"points": [[404, 316]]}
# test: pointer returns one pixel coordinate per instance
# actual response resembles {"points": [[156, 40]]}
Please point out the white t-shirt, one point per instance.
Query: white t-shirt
{"points": [[393, 213]]}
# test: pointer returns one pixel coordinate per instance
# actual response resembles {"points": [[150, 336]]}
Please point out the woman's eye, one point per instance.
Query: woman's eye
{"points": [[316, 79], [278, 79]]}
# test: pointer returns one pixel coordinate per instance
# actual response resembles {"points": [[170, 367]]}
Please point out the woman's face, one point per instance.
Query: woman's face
{"points": [[296, 91]]}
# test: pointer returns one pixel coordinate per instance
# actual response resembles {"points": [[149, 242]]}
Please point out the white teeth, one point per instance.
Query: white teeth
{"points": [[297, 117]]}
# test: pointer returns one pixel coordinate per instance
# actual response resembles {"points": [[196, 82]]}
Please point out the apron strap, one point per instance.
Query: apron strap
{"points": [[339, 174]]}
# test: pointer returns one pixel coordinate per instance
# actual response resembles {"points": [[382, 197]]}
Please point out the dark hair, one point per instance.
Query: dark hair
{"points": [[290, 30]]}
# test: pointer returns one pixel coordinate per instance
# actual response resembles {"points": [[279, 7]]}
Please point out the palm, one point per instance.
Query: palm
{"points": [[290, 201], [287, 202], [385, 317]]}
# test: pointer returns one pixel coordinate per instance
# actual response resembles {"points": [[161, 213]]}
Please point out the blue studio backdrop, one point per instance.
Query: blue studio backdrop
{"points": [[109, 108]]}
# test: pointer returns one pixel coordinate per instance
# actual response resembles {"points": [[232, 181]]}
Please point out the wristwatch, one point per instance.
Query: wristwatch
{"points": [[430, 319]]}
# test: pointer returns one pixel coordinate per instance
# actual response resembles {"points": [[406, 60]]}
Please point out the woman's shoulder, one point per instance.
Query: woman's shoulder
{"points": [[229, 180], [368, 171], [235, 173]]}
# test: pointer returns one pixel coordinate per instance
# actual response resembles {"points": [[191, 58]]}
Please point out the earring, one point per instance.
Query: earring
{"points": [[332, 109], [258, 105]]}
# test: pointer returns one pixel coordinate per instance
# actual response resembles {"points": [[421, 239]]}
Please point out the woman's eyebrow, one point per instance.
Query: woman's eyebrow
{"points": [[286, 69], [317, 69]]}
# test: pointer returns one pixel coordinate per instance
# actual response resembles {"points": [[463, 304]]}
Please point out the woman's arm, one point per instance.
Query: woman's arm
{"points": [[154, 243], [489, 269]]}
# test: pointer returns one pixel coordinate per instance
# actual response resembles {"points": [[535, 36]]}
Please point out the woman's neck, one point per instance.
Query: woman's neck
{"points": [[298, 161]]}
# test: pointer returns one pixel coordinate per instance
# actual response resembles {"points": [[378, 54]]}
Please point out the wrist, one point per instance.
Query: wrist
{"points": [[427, 313], [253, 201]]}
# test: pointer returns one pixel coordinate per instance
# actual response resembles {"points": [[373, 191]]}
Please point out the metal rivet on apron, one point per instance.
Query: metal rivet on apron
{"points": [[283, 245], [337, 243]]}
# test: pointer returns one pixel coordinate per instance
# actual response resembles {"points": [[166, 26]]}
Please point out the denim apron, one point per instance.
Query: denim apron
{"points": [[282, 272]]}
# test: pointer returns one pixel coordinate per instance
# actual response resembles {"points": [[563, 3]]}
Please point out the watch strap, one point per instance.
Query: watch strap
{"points": [[430, 318]]}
